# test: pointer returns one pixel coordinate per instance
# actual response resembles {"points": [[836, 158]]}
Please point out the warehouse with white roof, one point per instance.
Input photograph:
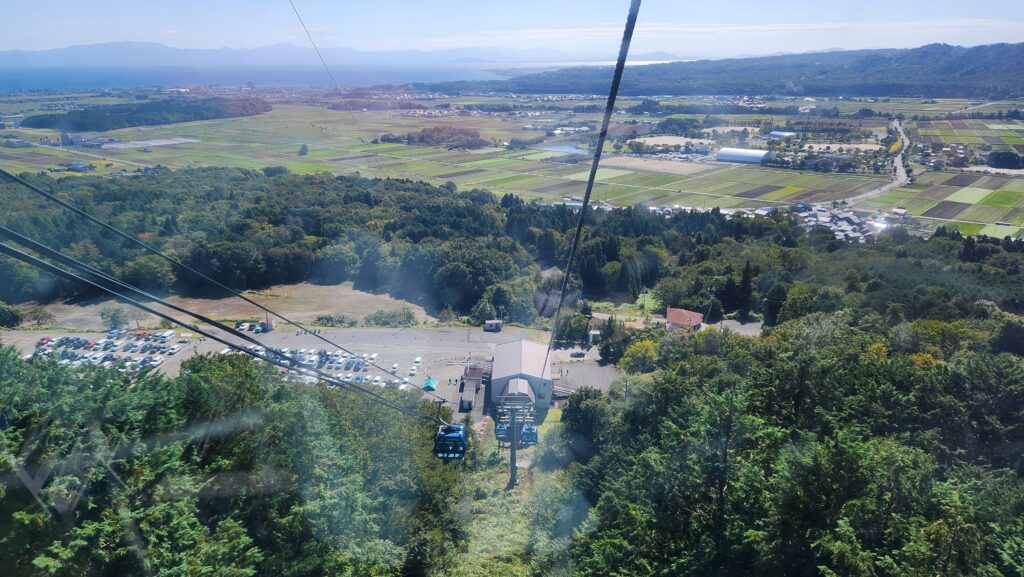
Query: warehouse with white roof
{"points": [[519, 371], [744, 155]]}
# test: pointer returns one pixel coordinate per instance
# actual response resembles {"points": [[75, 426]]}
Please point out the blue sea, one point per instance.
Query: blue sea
{"points": [[61, 78]]}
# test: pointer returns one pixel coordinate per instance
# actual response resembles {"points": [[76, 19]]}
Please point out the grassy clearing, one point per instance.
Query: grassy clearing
{"points": [[1007, 198], [782, 193], [1000, 231], [979, 213], [602, 174], [967, 228], [649, 179], [502, 524], [1015, 216], [893, 198], [1015, 185], [969, 195], [917, 206]]}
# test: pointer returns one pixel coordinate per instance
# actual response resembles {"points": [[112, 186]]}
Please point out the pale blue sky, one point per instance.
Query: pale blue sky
{"points": [[715, 29]]}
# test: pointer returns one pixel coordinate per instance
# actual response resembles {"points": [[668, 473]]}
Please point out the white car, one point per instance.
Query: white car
{"points": [[394, 369], [412, 370], [173, 349], [377, 381], [373, 358], [417, 361]]}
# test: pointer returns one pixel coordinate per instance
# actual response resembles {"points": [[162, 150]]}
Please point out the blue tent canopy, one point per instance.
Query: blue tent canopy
{"points": [[430, 384]]}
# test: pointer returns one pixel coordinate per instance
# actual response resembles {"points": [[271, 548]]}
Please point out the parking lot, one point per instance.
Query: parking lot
{"points": [[444, 351]]}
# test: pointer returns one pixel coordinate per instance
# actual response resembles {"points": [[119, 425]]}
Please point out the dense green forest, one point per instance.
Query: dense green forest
{"points": [[873, 429], [115, 116], [226, 470], [936, 70], [480, 255], [837, 444]]}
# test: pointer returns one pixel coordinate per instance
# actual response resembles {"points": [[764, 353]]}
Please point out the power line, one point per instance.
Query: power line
{"points": [[43, 265], [327, 68], [177, 263], [78, 265], [310, 36], [620, 64]]}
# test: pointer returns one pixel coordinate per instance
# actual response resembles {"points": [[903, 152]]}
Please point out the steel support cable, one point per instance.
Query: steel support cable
{"points": [[43, 265], [83, 267], [327, 68], [317, 50], [620, 65], [179, 264]]}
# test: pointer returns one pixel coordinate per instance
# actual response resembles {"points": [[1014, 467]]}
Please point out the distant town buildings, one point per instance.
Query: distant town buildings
{"points": [[85, 140]]}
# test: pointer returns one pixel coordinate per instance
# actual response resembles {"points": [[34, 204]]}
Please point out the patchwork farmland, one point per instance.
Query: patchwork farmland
{"points": [[975, 203], [343, 142]]}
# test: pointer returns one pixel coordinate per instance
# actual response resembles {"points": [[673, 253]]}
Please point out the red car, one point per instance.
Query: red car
{"points": [[42, 342]]}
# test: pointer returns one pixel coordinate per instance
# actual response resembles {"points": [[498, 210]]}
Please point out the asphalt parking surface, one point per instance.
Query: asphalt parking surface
{"points": [[445, 353]]}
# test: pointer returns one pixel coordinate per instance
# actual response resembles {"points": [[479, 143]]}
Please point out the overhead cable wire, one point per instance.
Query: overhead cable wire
{"points": [[315, 48], [620, 65], [87, 269], [326, 67], [83, 267], [43, 265], [179, 264]]}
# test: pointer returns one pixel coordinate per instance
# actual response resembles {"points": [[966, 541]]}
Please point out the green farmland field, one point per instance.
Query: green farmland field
{"points": [[340, 142]]}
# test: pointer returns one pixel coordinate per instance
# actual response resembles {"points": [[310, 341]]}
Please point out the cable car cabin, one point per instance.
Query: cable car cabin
{"points": [[530, 436], [450, 442], [501, 432]]}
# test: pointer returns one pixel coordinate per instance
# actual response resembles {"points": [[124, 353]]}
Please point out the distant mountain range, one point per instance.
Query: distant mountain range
{"points": [[935, 70], [145, 54]]}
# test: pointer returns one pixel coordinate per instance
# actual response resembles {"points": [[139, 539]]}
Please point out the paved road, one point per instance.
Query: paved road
{"points": [[445, 353], [899, 176]]}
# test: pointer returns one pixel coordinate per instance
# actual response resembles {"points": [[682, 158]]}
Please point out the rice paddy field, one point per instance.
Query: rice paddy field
{"points": [[1002, 134], [974, 203], [341, 142]]}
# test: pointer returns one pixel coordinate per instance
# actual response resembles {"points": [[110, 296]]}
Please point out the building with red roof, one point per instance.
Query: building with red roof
{"points": [[683, 319]]}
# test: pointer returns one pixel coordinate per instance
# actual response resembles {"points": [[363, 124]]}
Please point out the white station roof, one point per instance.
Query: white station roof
{"points": [[521, 357]]}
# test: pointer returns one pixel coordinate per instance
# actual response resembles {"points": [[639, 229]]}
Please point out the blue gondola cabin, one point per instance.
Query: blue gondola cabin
{"points": [[450, 442]]}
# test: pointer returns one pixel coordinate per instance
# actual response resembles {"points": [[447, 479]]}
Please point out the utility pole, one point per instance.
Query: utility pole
{"points": [[513, 479]]}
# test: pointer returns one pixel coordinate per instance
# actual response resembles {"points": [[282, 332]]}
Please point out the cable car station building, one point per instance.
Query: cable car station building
{"points": [[519, 371]]}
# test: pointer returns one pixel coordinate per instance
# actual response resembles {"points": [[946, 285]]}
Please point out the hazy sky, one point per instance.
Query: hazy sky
{"points": [[726, 28]]}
